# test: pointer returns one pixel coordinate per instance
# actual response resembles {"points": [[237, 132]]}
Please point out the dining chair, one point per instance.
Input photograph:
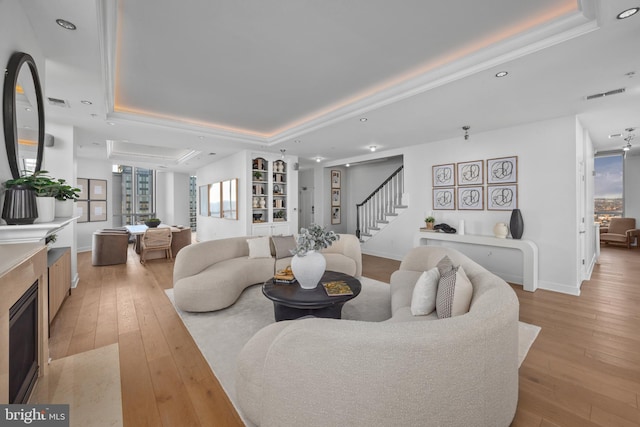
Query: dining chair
{"points": [[156, 239]]}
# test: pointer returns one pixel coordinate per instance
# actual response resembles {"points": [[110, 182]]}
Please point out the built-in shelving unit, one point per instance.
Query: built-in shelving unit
{"points": [[271, 203], [260, 190]]}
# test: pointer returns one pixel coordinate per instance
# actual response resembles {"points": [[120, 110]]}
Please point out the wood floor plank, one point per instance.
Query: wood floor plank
{"points": [[139, 407]]}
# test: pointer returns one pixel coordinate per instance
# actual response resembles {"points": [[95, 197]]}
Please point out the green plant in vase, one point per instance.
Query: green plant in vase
{"points": [[429, 221]]}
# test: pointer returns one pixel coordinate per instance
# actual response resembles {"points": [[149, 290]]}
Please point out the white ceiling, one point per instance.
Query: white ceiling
{"points": [[218, 76]]}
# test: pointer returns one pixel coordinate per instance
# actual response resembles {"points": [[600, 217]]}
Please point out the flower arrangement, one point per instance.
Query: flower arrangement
{"points": [[313, 239]]}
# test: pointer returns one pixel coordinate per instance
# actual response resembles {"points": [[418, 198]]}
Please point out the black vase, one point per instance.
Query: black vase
{"points": [[19, 205], [516, 225]]}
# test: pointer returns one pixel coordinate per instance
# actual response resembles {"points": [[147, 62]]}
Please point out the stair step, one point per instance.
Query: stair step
{"points": [[401, 206], [365, 235], [391, 214], [374, 228], [383, 222]]}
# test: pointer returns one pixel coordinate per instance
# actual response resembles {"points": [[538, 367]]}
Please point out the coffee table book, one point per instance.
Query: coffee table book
{"points": [[337, 288]]}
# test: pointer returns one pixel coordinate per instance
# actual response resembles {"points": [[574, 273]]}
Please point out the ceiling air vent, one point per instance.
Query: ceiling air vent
{"points": [[611, 92], [58, 102]]}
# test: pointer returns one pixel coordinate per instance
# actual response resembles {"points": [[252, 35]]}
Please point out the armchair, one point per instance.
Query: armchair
{"points": [[620, 230], [109, 247]]}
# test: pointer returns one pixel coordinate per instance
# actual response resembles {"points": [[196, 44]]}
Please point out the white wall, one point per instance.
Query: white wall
{"points": [[235, 166], [172, 198], [546, 196], [631, 187]]}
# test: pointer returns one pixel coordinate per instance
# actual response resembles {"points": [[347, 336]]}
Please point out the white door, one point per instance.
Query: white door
{"points": [[306, 212]]}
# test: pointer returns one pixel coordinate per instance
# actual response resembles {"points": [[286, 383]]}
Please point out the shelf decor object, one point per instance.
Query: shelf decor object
{"points": [[19, 205], [516, 225]]}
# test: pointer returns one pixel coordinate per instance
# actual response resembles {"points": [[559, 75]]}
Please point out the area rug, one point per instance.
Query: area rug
{"points": [[220, 335], [89, 382]]}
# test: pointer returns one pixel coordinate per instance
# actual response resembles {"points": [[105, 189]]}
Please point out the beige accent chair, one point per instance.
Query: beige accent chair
{"points": [[156, 239], [406, 371], [109, 247], [620, 231]]}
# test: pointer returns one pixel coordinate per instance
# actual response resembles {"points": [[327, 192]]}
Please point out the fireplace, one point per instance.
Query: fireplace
{"points": [[23, 345]]}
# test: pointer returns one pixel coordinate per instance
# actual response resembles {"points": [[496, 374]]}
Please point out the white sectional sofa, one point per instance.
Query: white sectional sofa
{"points": [[211, 275], [406, 371]]}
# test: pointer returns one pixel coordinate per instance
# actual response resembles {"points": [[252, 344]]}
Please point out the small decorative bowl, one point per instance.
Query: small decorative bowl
{"points": [[152, 224]]}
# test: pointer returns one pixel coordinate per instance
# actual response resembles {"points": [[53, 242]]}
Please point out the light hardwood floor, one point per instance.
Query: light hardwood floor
{"points": [[583, 370]]}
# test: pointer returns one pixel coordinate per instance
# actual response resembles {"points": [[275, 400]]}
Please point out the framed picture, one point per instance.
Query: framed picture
{"points": [[444, 175], [335, 215], [97, 190], [471, 198], [444, 198], [203, 192], [82, 210], [502, 197], [335, 179], [83, 185], [470, 173], [503, 170], [97, 210], [335, 197]]}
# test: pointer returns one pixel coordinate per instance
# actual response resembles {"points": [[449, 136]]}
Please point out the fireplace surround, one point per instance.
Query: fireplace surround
{"points": [[23, 346], [22, 265]]}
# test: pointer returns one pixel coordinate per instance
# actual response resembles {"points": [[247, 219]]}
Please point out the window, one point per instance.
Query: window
{"points": [[609, 188], [137, 194]]}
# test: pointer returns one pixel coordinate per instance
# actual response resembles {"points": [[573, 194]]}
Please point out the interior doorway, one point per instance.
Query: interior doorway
{"points": [[306, 213]]}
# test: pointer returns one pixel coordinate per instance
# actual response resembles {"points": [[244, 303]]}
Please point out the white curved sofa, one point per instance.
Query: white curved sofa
{"points": [[211, 275], [406, 371]]}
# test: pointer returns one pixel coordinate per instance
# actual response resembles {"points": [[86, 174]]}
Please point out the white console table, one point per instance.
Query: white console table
{"points": [[527, 247]]}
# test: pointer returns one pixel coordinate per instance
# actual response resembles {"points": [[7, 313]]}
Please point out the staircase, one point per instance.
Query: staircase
{"points": [[380, 207]]}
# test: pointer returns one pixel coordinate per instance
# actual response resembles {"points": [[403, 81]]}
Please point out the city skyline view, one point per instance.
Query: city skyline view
{"points": [[609, 177]]}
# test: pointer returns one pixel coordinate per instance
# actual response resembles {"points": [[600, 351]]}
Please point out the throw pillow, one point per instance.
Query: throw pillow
{"points": [[423, 301], [283, 245], [259, 247], [444, 265], [454, 293]]}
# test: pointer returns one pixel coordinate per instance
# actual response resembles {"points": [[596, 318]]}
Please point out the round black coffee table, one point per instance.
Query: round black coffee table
{"points": [[290, 301]]}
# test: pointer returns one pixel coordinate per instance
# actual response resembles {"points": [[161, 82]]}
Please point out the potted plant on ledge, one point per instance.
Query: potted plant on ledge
{"points": [[65, 195], [44, 187], [429, 221]]}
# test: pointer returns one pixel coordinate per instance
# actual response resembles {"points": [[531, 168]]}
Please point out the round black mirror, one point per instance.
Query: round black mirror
{"points": [[23, 111]]}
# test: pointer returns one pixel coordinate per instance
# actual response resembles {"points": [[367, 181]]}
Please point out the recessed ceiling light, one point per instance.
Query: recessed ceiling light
{"points": [[627, 13], [363, 119], [318, 159], [66, 24], [28, 109], [85, 102], [372, 148], [502, 74], [201, 137], [111, 123], [348, 164]]}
